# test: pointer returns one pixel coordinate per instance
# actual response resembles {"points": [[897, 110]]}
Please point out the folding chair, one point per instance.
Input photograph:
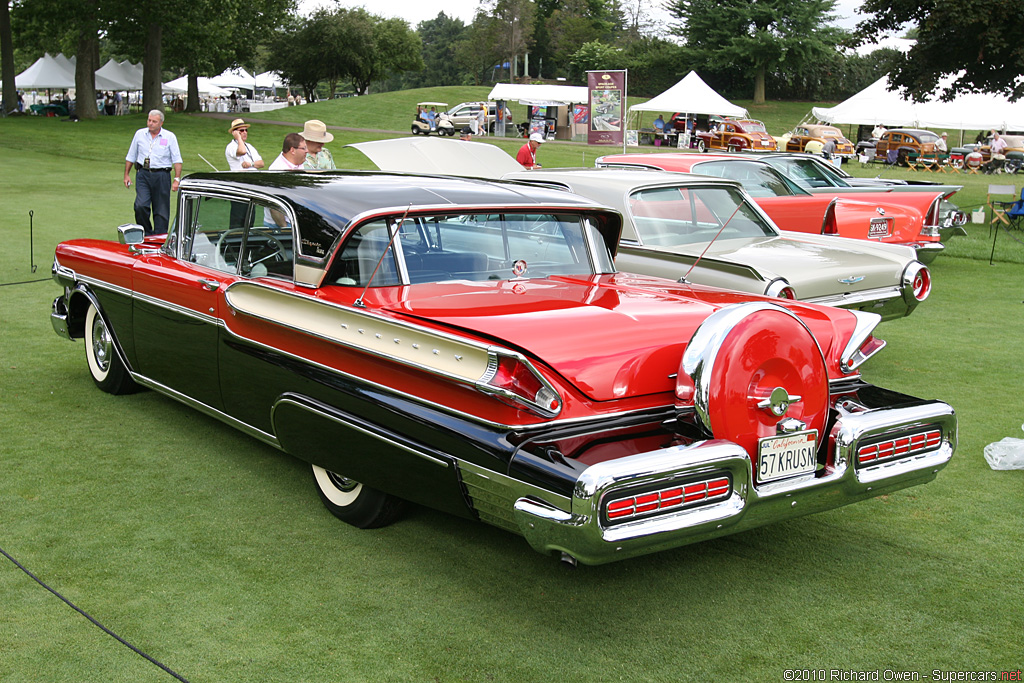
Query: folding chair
{"points": [[972, 162], [997, 207], [1013, 212]]}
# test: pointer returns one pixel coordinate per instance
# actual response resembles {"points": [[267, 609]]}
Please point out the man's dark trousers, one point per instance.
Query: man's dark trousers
{"points": [[153, 188]]}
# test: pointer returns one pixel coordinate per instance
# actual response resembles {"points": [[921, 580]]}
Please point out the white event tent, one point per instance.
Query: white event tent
{"points": [[206, 87], [49, 72], [539, 95], [877, 104], [124, 73], [691, 95]]}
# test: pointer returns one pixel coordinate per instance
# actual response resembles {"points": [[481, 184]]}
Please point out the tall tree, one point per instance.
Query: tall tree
{"points": [[577, 22], [515, 22], [741, 36], [979, 43], [7, 71], [345, 43], [74, 28], [482, 48], [440, 37]]}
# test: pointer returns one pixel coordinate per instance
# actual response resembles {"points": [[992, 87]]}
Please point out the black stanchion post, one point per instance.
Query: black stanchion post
{"points": [[31, 247]]}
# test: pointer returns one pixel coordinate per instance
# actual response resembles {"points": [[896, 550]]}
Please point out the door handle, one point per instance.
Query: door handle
{"points": [[211, 285]]}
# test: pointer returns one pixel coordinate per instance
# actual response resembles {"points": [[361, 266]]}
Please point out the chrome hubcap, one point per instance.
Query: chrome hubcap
{"points": [[342, 483], [101, 347]]}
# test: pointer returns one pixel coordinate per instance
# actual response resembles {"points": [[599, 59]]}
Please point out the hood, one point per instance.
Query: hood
{"points": [[611, 336]]}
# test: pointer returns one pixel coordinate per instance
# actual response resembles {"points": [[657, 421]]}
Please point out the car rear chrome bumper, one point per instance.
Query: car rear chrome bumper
{"points": [[927, 251], [584, 532], [888, 302]]}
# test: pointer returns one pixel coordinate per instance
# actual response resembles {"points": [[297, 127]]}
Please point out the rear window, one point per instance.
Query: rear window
{"points": [[672, 216]]}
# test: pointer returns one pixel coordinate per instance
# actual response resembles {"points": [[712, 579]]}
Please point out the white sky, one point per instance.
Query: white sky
{"points": [[415, 11]]}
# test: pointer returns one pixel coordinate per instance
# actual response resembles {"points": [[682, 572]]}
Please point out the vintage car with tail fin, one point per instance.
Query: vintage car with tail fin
{"points": [[469, 346], [911, 219], [705, 230]]}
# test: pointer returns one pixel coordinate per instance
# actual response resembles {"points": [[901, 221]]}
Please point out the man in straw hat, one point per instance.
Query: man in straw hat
{"points": [[316, 135], [240, 154]]}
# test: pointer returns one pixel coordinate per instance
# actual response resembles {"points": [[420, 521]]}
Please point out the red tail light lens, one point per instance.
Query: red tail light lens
{"points": [[513, 378], [922, 285], [664, 500], [899, 447], [830, 224]]}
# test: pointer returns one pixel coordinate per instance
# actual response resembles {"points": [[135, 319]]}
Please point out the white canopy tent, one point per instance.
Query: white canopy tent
{"points": [[235, 78], [877, 104], [206, 87], [122, 73], [45, 73], [58, 72], [269, 80], [691, 95], [539, 95]]}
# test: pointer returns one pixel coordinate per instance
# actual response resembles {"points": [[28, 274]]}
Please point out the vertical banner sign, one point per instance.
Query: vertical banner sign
{"points": [[607, 107]]}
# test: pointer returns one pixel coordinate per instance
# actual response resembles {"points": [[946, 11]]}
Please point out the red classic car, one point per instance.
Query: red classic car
{"points": [[744, 135], [912, 219], [469, 346]]}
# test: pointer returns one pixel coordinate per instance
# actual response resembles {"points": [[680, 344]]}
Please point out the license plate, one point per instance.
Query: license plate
{"points": [[787, 455], [766, 143], [880, 227]]}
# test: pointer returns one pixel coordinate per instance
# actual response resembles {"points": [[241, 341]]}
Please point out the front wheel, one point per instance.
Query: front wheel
{"points": [[354, 503], [415, 130], [700, 146], [105, 366]]}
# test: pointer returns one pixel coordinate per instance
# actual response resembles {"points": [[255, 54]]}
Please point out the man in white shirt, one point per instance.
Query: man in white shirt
{"points": [[292, 156], [940, 144], [241, 156], [154, 153]]}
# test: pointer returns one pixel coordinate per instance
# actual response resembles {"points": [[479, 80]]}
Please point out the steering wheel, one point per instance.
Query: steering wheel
{"points": [[279, 250]]}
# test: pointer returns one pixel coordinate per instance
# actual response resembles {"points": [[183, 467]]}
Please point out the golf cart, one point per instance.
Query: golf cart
{"points": [[440, 122]]}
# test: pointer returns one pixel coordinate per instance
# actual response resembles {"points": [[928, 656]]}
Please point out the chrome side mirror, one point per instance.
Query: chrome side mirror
{"points": [[130, 233]]}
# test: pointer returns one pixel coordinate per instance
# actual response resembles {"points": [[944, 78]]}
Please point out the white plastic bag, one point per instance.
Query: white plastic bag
{"points": [[1006, 454]]}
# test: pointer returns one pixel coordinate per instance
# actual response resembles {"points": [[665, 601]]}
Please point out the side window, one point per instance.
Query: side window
{"points": [[361, 254], [228, 235]]}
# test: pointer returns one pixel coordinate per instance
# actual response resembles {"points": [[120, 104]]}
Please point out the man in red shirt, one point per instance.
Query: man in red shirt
{"points": [[527, 156]]}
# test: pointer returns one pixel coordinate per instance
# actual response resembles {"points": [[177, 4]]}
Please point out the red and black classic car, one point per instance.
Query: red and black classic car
{"points": [[469, 346]]}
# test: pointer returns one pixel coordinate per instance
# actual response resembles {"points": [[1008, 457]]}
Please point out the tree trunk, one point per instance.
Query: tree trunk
{"points": [[86, 63], [759, 85], [10, 100], [193, 90], [152, 83]]}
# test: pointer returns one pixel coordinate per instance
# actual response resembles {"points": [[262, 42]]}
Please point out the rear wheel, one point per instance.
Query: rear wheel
{"points": [[356, 504], [105, 366]]}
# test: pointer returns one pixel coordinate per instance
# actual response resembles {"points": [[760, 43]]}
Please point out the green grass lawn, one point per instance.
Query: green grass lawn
{"points": [[212, 553]]}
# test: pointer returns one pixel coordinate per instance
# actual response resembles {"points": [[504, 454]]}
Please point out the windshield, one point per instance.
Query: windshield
{"points": [[671, 216], [759, 179], [474, 247], [808, 173], [754, 127]]}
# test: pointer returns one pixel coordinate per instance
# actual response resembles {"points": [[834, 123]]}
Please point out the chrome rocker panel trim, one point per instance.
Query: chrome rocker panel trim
{"points": [[579, 531]]}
